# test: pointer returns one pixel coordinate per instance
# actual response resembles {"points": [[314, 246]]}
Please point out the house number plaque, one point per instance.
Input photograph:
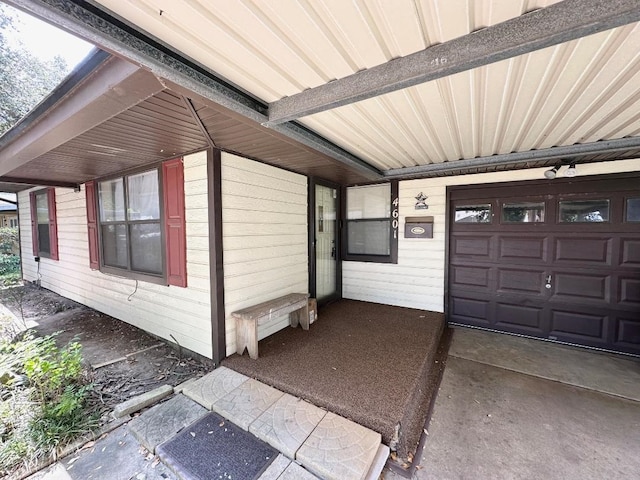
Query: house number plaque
{"points": [[394, 217]]}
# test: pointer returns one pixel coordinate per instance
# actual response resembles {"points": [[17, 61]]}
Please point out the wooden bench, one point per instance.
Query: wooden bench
{"points": [[248, 319]]}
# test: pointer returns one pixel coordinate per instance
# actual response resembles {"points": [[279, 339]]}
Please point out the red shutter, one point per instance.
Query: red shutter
{"points": [[53, 223], [174, 222], [34, 223], [92, 225]]}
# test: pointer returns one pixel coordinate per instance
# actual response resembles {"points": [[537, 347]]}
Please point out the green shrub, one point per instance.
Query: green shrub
{"points": [[9, 264], [50, 380], [9, 240]]}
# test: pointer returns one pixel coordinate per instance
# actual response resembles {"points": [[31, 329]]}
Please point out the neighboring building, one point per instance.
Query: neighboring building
{"points": [[8, 215], [8, 210], [150, 190]]}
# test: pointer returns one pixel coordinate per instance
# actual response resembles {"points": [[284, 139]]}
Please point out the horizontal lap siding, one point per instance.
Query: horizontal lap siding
{"points": [[183, 314], [264, 214], [418, 279]]}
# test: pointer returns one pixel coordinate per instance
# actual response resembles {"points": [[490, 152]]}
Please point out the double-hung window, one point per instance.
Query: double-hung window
{"points": [[130, 223], [371, 233], [44, 229], [136, 224]]}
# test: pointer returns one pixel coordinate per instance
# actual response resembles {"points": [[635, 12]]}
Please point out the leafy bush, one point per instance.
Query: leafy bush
{"points": [[9, 240], [51, 381], [9, 264]]}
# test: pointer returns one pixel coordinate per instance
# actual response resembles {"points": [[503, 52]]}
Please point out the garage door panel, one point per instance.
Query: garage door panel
{"points": [[583, 251], [630, 292], [630, 252], [522, 248], [580, 287], [628, 332], [521, 280], [478, 247], [520, 317], [470, 309], [470, 276], [591, 327]]}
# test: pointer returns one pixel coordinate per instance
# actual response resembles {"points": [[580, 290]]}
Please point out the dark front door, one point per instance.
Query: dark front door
{"points": [[558, 260]]}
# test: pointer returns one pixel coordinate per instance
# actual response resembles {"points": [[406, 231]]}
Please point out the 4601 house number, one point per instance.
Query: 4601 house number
{"points": [[395, 215]]}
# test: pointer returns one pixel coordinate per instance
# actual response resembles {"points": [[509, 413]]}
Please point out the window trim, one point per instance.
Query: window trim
{"points": [[394, 216], [160, 279], [50, 194]]}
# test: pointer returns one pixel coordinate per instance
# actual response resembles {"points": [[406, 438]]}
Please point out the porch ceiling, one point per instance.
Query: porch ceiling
{"points": [[576, 92], [116, 116], [380, 89]]}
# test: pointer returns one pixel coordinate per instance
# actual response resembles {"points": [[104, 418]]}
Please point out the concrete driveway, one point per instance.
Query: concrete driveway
{"points": [[514, 408]]}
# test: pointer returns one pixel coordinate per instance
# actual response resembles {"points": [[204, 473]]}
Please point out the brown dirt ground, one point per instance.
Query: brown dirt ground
{"points": [[122, 360]]}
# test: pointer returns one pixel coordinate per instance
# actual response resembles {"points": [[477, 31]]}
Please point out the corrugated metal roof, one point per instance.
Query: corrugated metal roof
{"points": [[577, 92]]}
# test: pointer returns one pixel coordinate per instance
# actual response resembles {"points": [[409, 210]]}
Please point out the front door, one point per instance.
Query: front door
{"points": [[325, 243]]}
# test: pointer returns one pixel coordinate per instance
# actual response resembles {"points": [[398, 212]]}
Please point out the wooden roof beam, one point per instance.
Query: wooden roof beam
{"points": [[558, 23]]}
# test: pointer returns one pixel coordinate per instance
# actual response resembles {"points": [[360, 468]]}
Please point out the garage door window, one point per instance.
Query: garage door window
{"points": [[473, 213], [633, 210], [584, 211], [524, 212]]}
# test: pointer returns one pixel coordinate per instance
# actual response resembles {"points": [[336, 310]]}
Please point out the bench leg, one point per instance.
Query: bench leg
{"points": [[247, 337], [300, 316]]}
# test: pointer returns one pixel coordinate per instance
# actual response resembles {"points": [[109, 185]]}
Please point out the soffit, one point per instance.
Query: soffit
{"points": [[581, 91]]}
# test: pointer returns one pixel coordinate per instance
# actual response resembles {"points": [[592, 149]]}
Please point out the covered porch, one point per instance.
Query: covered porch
{"points": [[378, 365]]}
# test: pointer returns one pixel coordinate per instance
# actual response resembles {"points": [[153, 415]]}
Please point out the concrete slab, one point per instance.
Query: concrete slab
{"points": [[603, 372], [379, 461], [277, 467], [118, 456], [287, 423], [213, 386], [493, 423], [296, 472], [160, 423], [246, 403], [339, 449], [141, 401], [54, 472]]}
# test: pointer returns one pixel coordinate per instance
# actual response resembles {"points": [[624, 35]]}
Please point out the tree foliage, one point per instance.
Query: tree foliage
{"points": [[24, 78]]}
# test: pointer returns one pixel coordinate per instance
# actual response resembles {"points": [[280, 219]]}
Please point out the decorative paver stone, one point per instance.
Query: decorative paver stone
{"points": [[296, 472], [287, 423], [276, 468], [247, 402], [339, 449], [160, 423], [213, 386]]}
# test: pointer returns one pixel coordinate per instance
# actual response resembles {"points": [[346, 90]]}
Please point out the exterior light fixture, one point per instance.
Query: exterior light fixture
{"points": [[571, 171], [551, 173]]}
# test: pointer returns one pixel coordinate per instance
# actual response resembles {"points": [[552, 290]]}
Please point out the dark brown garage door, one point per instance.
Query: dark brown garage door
{"points": [[556, 259]]}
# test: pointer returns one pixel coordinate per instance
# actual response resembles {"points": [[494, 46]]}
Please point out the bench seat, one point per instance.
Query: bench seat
{"points": [[248, 319]]}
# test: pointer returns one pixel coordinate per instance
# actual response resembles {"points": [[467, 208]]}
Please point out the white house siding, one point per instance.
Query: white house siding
{"points": [[418, 279], [264, 216], [173, 313]]}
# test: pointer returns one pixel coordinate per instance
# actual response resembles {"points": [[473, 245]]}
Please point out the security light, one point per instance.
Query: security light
{"points": [[551, 173], [571, 171]]}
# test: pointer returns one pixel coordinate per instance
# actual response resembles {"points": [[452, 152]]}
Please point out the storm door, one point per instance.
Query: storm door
{"points": [[324, 243]]}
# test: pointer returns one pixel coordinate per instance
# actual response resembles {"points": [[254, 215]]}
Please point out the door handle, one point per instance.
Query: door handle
{"points": [[333, 252], [548, 282]]}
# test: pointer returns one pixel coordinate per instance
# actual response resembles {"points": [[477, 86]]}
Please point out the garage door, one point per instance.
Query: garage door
{"points": [[556, 259]]}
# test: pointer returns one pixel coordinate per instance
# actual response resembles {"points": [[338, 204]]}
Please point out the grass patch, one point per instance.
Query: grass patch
{"points": [[46, 399]]}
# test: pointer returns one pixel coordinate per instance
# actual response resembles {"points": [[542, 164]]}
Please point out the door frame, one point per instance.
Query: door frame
{"points": [[311, 229]]}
